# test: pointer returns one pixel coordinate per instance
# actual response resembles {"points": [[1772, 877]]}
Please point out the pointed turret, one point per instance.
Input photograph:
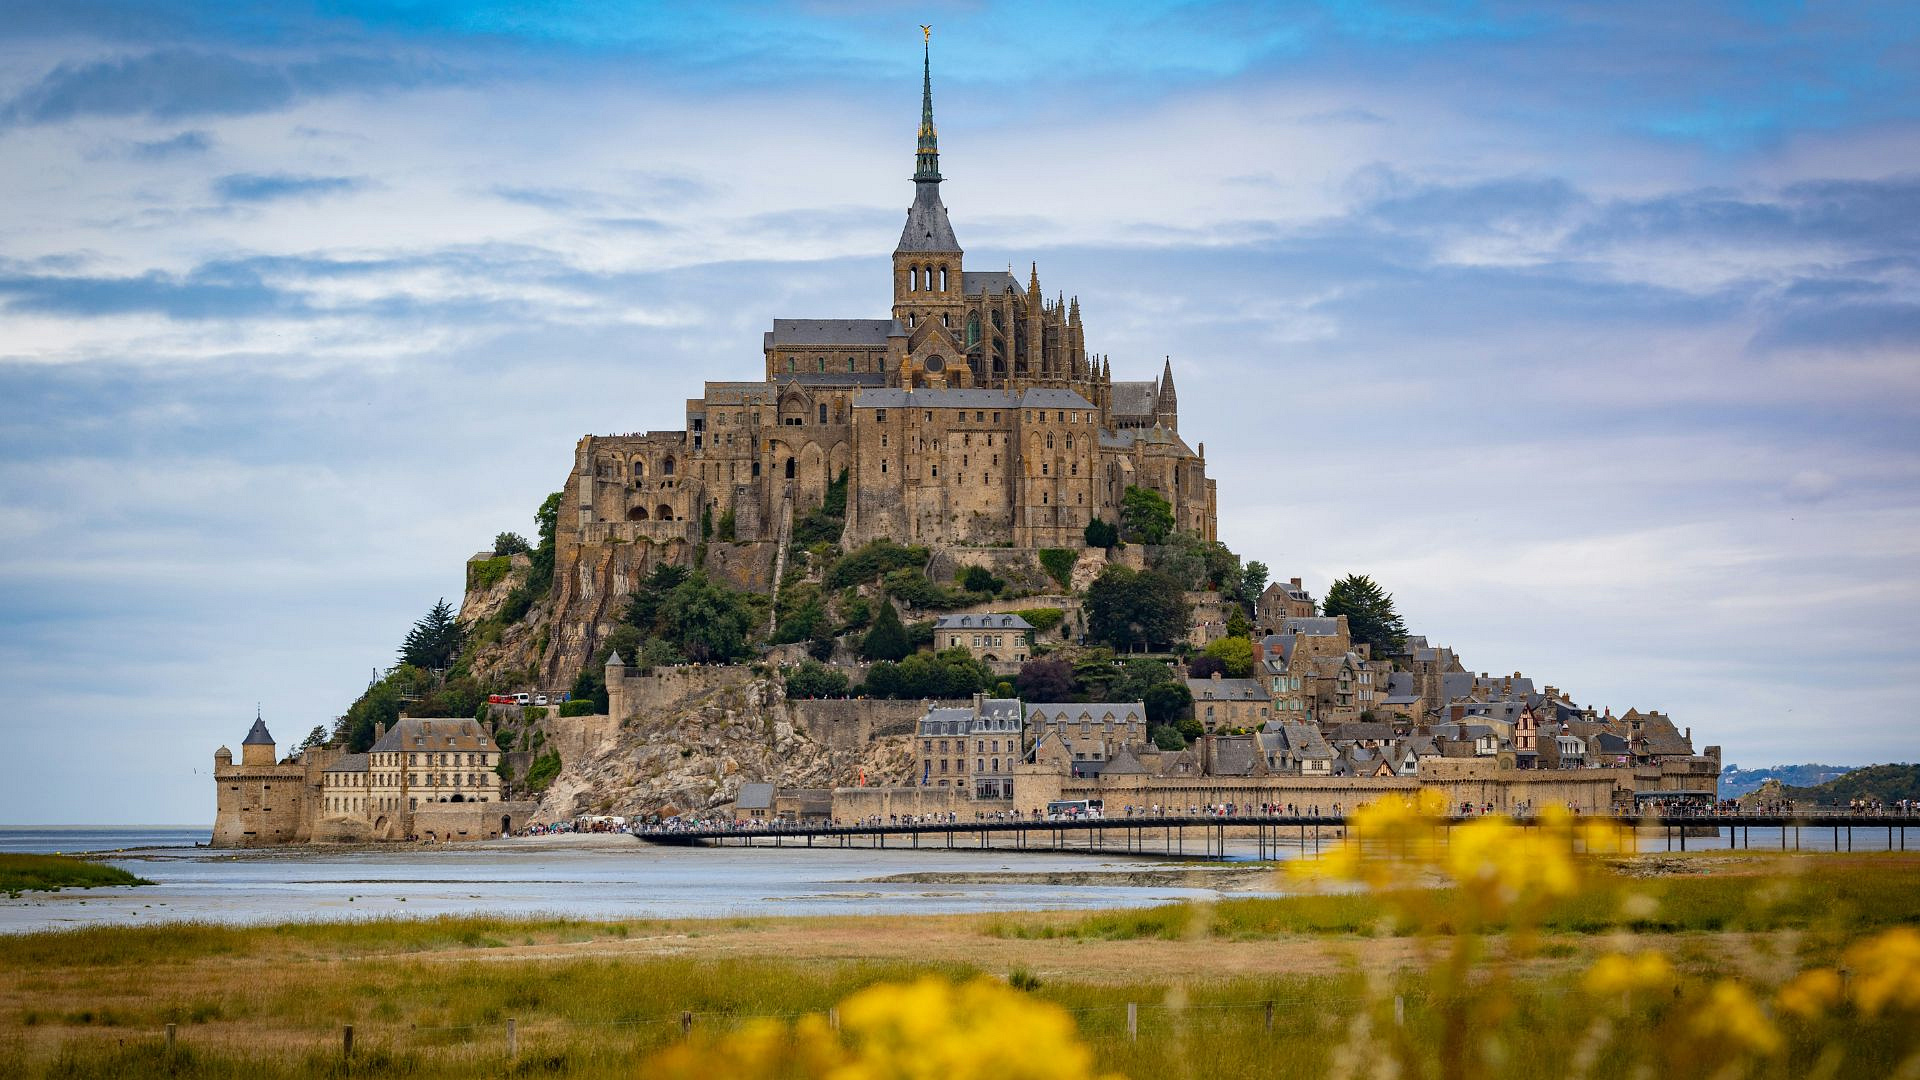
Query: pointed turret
{"points": [[1166, 405]]}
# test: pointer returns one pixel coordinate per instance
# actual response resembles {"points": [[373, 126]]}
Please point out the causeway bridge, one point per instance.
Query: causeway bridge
{"points": [[1207, 835]]}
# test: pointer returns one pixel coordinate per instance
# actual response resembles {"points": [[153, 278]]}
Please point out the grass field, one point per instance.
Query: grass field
{"points": [[51, 873], [431, 998]]}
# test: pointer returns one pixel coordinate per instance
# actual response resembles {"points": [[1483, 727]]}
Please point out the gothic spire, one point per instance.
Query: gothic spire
{"points": [[927, 227], [926, 161]]}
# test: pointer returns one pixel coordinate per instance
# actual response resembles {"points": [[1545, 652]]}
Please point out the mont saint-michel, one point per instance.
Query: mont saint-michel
{"points": [[1307, 541], [938, 563]]}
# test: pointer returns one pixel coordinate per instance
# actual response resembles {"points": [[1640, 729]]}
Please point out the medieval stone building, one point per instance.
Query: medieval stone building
{"points": [[972, 414]]}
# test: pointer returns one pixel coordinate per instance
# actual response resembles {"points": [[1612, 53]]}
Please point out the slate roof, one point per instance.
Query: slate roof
{"points": [[349, 763], [1400, 689], [1301, 741], [434, 733], [961, 720], [1096, 711], [990, 621], [1227, 690], [1134, 398], [1237, 755], [754, 797], [975, 283], [1124, 762], [258, 734], [1361, 731], [927, 227], [1311, 625], [866, 332]]}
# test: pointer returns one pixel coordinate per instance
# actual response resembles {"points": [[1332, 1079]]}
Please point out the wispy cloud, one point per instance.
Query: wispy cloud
{"points": [[256, 187]]}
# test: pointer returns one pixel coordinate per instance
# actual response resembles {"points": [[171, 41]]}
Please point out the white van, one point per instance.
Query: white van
{"points": [[523, 699]]}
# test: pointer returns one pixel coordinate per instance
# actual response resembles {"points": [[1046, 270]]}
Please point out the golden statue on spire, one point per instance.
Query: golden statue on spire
{"points": [[926, 32]]}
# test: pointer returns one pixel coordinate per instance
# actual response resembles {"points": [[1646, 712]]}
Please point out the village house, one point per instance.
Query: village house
{"points": [[1083, 738], [1222, 704], [972, 748], [993, 638]]}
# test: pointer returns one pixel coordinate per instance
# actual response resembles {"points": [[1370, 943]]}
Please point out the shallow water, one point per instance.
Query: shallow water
{"points": [[586, 877]]}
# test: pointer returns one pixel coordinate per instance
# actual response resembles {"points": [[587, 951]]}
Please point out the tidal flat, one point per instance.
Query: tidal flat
{"points": [[1243, 986]]}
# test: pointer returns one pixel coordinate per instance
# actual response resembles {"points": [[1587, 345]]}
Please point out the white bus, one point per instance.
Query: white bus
{"points": [[1073, 808]]}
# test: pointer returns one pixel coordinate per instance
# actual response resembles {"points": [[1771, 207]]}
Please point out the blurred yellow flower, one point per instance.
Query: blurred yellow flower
{"points": [[1731, 1013], [1886, 971], [1810, 993], [918, 1031], [1618, 973]]}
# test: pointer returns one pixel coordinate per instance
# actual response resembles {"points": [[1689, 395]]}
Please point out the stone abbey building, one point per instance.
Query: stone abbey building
{"points": [[972, 414]]}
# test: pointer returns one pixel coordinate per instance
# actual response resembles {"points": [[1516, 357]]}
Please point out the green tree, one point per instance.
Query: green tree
{"points": [[1235, 655], [510, 543], [707, 622], [815, 680], [981, 580], [316, 737], [1146, 517], [1101, 534], [1166, 701], [1253, 582], [1369, 611], [434, 640], [887, 638], [1238, 625], [1166, 737], [1128, 609], [1046, 679]]}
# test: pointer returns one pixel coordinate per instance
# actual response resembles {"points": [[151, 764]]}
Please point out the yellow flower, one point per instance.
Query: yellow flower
{"points": [[1810, 993], [1731, 1013], [977, 1031], [919, 1031], [1886, 971], [1618, 973], [1598, 837]]}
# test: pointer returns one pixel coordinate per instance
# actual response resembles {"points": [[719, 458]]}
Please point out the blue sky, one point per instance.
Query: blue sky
{"points": [[1591, 330]]}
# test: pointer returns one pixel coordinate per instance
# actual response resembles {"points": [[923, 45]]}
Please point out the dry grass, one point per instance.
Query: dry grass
{"points": [[431, 998]]}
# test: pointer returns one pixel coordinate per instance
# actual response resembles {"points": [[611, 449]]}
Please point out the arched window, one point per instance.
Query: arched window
{"points": [[849, 363], [790, 365], [823, 412], [789, 468], [943, 279], [638, 513], [926, 279], [664, 512], [821, 361], [756, 470], [913, 278], [666, 467], [973, 330]]}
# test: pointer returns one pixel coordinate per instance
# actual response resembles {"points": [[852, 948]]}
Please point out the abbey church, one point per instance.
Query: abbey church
{"points": [[972, 415]]}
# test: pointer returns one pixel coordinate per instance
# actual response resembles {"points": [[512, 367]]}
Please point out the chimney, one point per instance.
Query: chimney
{"points": [[379, 730], [1216, 676], [1295, 582]]}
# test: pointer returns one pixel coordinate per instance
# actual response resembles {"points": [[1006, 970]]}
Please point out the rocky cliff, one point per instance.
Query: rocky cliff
{"points": [[696, 752]]}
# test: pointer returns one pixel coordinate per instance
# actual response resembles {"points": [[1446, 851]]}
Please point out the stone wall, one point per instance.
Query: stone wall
{"points": [[1587, 791], [849, 724], [670, 687], [859, 803], [445, 822]]}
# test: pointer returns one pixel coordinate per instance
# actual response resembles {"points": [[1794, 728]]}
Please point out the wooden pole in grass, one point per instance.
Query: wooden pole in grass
{"points": [[170, 1032], [1133, 1022], [833, 1019], [686, 1025], [513, 1039], [1269, 1017], [346, 1043]]}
